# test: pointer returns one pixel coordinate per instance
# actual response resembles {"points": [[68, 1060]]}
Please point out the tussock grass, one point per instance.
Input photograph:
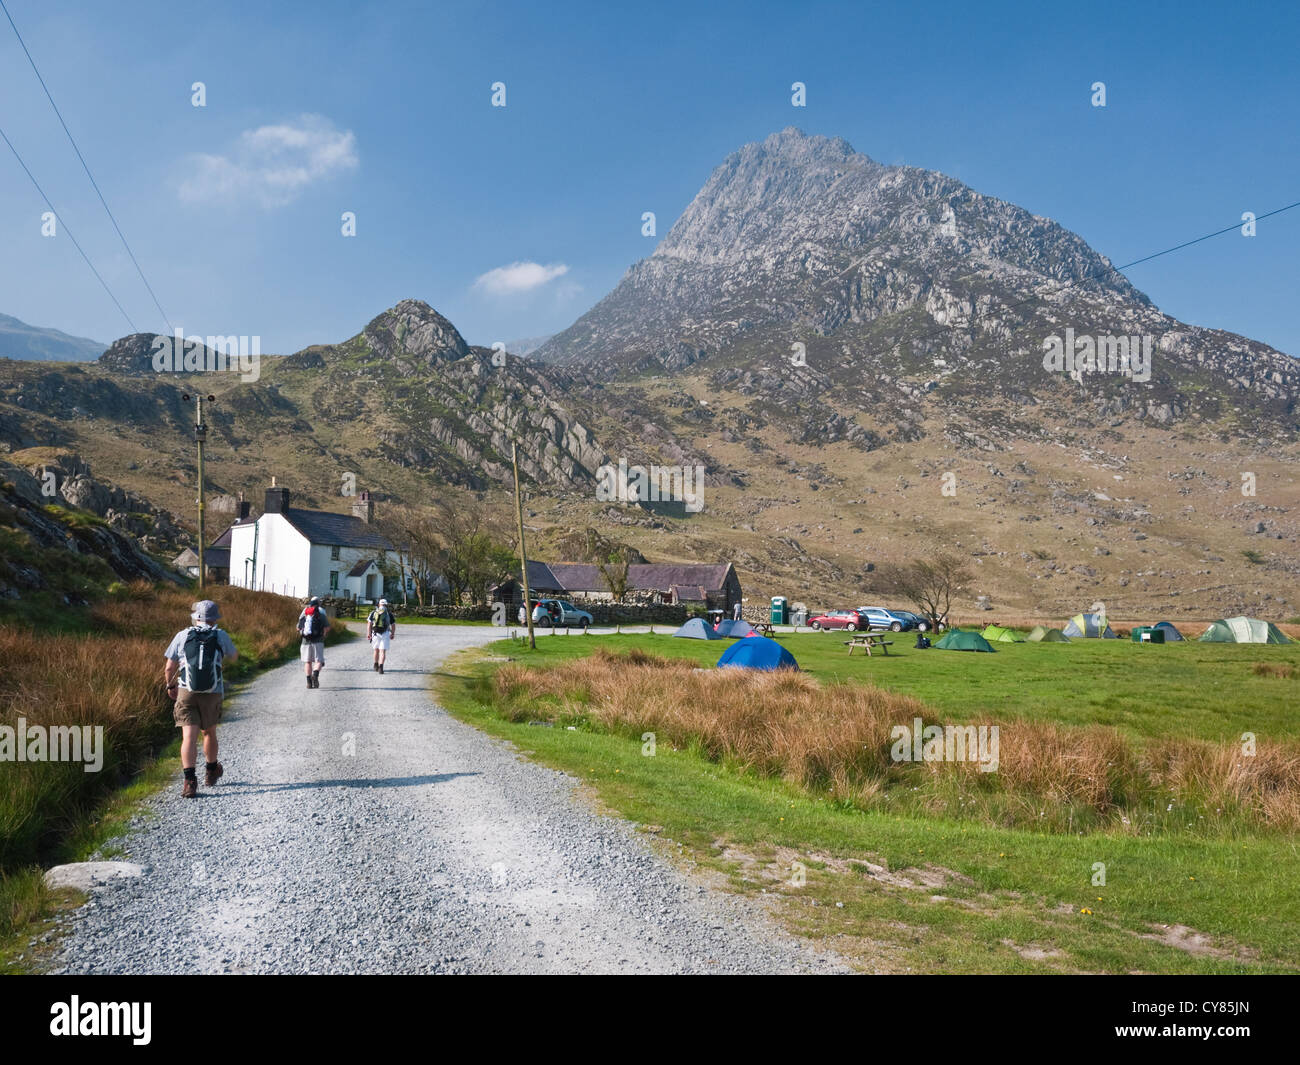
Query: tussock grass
{"points": [[1283, 670], [835, 740]]}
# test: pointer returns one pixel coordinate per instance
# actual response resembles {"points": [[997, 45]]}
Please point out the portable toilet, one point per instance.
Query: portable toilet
{"points": [[780, 609]]}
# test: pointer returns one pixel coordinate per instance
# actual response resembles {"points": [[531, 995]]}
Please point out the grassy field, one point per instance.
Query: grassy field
{"points": [[894, 879], [1203, 690]]}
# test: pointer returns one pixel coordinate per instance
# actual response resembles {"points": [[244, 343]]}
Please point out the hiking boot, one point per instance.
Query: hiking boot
{"points": [[309, 683], [381, 669], [315, 679], [190, 789], [374, 666], [212, 774]]}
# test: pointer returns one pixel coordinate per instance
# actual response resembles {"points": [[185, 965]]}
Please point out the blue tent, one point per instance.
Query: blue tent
{"points": [[1171, 633], [758, 653], [735, 629], [697, 629]]}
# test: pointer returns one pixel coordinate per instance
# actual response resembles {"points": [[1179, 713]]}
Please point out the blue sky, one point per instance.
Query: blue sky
{"points": [[384, 109]]}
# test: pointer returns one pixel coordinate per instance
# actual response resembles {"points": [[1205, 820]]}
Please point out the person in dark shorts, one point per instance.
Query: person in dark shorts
{"points": [[313, 624], [192, 676]]}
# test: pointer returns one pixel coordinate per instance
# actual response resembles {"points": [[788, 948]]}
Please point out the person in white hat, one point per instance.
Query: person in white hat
{"points": [[192, 677], [381, 627]]}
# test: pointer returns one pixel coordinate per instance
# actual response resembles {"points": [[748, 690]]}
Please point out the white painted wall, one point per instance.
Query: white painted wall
{"points": [[283, 557]]}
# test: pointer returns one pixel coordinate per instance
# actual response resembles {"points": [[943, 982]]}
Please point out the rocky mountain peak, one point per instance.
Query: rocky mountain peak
{"points": [[413, 329], [131, 355]]}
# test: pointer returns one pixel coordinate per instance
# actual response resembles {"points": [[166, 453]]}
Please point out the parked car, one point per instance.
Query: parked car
{"points": [[877, 617], [559, 613], [838, 619]]}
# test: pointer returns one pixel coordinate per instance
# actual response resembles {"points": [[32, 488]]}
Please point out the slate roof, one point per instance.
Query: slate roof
{"points": [[361, 567], [344, 530], [693, 579], [661, 576]]}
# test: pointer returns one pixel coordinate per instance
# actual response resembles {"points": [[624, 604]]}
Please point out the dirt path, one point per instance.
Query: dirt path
{"points": [[360, 828]]}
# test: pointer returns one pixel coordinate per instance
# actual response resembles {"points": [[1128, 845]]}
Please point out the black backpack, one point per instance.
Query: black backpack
{"points": [[203, 660], [379, 621], [312, 626]]}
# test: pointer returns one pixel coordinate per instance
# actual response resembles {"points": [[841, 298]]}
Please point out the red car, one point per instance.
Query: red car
{"points": [[839, 619]]}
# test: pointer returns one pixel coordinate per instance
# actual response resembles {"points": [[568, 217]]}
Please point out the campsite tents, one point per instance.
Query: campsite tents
{"points": [[1243, 630], [1171, 633], [998, 633], [1091, 626], [1038, 634], [759, 653], [735, 629], [957, 640], [697, 629]]}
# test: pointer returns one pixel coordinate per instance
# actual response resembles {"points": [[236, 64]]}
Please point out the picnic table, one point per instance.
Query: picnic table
{"points": [[870, 641], [765, 627]]}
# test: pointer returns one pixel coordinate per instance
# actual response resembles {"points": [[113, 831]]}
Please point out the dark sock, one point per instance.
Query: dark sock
{"points": [[189, 773], [210, 765]]}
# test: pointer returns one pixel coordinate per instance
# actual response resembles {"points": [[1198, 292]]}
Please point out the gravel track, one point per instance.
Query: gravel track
{"points": [[432, 848]]}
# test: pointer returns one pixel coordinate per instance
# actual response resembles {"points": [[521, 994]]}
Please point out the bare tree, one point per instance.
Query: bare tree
{"points": [[614, 572], [928, 584]]}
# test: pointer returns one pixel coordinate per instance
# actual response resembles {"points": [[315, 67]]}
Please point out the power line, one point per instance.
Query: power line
{"points": [[85, 167], [68, 230]]}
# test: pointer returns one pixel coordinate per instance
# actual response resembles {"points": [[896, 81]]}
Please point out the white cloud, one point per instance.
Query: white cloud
{"points": [[271, 165], [519, 277]]}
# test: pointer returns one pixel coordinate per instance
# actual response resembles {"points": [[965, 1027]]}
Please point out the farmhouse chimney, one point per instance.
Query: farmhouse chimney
{"points": [[364, 507], [242, 514], [277, 499]]}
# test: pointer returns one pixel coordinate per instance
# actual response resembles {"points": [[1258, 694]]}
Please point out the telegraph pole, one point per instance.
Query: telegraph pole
{"points": [[200, 437], [523, 554]]}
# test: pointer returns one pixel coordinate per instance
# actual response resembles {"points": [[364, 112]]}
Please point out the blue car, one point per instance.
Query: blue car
{"points": [[877, 617]]}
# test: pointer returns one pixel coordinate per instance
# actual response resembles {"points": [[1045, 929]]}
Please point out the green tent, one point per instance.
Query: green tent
{"points": [[1038, 634], [1243, 630], [957, 640], [1092, 626], [997, 632]]}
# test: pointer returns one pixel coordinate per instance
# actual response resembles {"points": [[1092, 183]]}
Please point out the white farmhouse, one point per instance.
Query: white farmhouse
{"points": [[309, 552]]}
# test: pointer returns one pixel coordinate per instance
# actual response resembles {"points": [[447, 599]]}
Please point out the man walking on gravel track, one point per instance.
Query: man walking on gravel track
{"points": [[381, 627], [313, 624], [192, 676]]}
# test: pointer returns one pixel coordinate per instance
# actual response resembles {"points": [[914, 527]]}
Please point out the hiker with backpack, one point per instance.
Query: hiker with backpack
{"points": [[313, 624], [381, 627], [192, 677]]}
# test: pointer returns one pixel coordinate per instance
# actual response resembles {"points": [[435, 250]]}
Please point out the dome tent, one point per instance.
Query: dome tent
{"points": [[960, 640], [758, 653], [1001, 635], [735, 629], [1243, 630], [1038, 634], [697, 629], [1171, 633], [1090, 626]]}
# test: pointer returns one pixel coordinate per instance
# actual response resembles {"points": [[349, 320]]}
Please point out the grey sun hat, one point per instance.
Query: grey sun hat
{"points": [[314, 601], [206, 611], [383, 602]]}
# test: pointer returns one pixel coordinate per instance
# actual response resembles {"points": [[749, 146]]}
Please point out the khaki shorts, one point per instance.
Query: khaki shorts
{"points": [[197, 708], [312, 651]]}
